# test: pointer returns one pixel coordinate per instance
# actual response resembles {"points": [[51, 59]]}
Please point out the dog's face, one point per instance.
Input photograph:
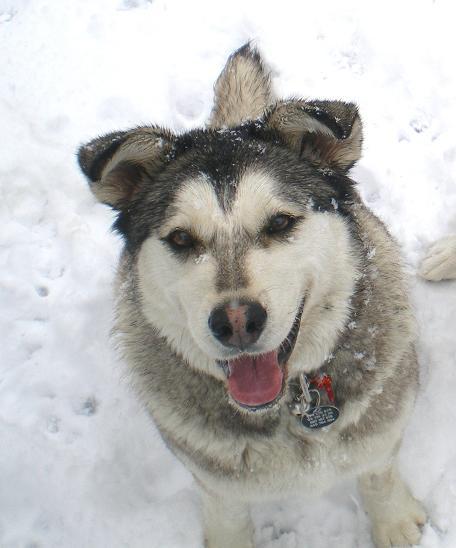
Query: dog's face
{"points": [[240, 238]]}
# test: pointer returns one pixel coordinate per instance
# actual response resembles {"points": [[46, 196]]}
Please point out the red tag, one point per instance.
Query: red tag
{"points": [[323, 382]]}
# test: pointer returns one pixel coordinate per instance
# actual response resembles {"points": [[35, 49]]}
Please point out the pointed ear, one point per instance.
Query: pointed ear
{"points": [[118, 164], [242, 91], [326, 133]]}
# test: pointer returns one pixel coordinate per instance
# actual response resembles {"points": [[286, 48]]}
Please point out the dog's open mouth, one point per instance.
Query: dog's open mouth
{"points": [[258, 381]]}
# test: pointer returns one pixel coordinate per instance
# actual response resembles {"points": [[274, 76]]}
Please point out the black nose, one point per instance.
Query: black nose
{"points": [[238, 324]]}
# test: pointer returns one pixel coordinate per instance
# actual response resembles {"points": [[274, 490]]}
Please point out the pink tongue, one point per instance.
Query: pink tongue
{"points": [[255, 380]]}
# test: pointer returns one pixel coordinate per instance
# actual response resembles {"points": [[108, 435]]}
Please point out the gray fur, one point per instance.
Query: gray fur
{"points": [[363, 337], [231, 275], [327, 133], [243, 89]]}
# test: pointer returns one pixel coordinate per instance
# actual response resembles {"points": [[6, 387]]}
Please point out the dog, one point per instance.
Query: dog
{"points": [[261, 307], [440, 260]]}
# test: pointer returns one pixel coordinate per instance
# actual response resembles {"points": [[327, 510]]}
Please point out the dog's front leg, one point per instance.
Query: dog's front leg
{"points": [[396, 516], [227, 522]]}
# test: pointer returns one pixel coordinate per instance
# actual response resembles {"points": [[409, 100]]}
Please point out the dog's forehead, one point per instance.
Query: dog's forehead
{"points": [[200, 205]]}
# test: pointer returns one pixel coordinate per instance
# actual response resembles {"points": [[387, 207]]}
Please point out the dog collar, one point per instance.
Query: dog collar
{"points": [[315, 404]]}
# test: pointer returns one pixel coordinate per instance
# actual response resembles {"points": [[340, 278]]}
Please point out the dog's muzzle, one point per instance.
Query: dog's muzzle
{"points": [[258, 381]]}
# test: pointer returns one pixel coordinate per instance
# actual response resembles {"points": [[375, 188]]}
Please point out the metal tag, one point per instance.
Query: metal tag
{"points": [[320, 417], [312, 406]]}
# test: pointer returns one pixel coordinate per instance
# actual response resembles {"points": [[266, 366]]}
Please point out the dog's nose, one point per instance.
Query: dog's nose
{"points": [[238, 324]]}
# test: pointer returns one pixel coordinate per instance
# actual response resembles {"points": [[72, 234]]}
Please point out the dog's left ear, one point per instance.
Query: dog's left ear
{"points": [[119, 164], [243, 89], [326, 133]]}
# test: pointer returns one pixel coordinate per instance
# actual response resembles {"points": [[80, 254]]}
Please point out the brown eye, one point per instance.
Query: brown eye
{"points": [[180, 239], [280, 223]]}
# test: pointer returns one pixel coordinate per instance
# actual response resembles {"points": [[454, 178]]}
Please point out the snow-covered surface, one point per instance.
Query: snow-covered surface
{"points": [[81, 465]]}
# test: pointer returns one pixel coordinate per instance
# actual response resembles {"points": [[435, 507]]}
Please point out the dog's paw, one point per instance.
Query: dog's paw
{"points": [[440, 261], [402, 529]]}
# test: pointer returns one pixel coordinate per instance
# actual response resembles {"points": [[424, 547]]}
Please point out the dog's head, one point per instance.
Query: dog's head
{"points": [[239, 232]]}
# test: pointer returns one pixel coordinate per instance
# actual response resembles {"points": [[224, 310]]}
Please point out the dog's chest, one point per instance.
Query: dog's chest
{"points": [[293, 460]]}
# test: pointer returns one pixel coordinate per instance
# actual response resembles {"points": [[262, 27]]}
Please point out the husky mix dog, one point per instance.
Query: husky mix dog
{"points": [[261, 306]]}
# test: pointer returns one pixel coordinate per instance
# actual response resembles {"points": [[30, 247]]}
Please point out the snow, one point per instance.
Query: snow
{"points": [[80, 462]]}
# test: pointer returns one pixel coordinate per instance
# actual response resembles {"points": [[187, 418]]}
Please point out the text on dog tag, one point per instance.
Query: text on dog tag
{"points": [[320, 417]]}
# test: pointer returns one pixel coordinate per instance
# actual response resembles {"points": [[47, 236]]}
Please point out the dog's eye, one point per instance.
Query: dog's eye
{"points": [[180, 239], [280, 223]]}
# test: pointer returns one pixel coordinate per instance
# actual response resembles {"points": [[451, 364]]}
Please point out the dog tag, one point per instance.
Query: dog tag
{"points": [[320, 417], [315, 406]]}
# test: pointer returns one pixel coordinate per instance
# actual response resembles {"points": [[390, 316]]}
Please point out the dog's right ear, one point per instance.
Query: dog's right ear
{"points": [[243, 89], [118, 164]]}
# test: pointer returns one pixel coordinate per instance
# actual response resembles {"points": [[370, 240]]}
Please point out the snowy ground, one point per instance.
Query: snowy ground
{"points": [[80, 463]]}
